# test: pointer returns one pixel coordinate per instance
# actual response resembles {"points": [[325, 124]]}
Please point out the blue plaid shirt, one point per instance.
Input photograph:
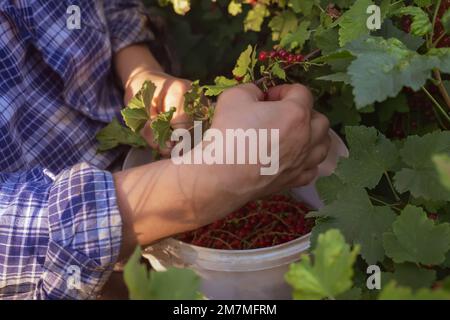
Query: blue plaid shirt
{"points": [[60, 228]]}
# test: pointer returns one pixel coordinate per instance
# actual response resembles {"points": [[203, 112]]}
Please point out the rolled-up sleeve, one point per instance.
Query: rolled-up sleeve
{"points": [[59, 235], [127, 23]]}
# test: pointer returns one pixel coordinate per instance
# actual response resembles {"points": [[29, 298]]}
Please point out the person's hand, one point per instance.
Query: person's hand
{"points": [[303, 135], [169, 93]]}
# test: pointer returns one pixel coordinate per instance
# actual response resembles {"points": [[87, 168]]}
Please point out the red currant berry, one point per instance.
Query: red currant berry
{"points": [[262, 56]]}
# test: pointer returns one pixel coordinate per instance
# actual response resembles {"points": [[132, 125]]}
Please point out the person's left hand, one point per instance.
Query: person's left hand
{"points": [[169, 93]]}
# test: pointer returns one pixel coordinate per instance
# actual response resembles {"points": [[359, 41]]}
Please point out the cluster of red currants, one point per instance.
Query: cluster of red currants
{"points": [[258, 224], [281, 55]]}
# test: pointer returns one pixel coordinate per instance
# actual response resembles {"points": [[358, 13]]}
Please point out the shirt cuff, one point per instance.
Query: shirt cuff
{"points": [[127, 23], [85, 230]]}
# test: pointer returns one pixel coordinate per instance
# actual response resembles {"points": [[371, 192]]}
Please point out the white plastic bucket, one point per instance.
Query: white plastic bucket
{"points": [[240, 274]]}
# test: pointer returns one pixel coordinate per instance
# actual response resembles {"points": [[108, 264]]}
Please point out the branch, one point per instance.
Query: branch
{"points": [[442, 90]]}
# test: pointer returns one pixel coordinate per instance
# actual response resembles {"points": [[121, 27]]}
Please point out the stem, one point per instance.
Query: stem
{"points": [[436, 42], [436, 11], [442, 90], [391, 186], [437, 104], [393, 206]]}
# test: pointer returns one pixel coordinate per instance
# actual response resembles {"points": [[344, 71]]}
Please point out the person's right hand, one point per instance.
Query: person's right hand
{"points": [[303, 142]]}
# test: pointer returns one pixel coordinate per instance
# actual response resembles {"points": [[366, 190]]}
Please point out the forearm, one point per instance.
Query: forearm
{"points": [[133, 60], [162, 199]]}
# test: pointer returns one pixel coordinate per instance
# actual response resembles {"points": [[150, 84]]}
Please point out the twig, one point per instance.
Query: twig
{"points": [[442, 90]]}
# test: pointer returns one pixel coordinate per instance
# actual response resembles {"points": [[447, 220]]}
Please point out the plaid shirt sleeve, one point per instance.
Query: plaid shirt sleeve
{"points": [[60, 228], [126, 20], [59, 235]]}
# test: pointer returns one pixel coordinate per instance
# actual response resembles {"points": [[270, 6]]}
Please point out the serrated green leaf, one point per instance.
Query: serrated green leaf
{"points": [[394, 292], [221, 84], [421, 24], [314, 280], [303, 6], [327, 40], [297, 38], [255, 17], [411, 275], [442, 163], [234, 8], [181, 7], [415, 238], [383, 67], [389, 30], [389, 107], [353, 23], [336, 77], [419, 176], [135, 119], [114, 134], [359, 221], [440, 58], [282, 24], [423, 3], [329, 188], [243, 63], [143, 99], [161, 127], [365, 166], [173, 284], [278, 71]]}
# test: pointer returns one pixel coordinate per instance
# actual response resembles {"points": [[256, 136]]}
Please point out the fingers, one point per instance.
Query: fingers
{"points": [[305, 177], [147, 134], [247, 92], [296, 93], [320, 126]]}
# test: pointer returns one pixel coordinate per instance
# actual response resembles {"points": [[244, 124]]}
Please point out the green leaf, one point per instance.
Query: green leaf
{"points": [[327, 40], [221, 84], [415, 238], [161, 127], [423, 3], [421, 24], [115, 134], [389, 107], [135, 119], [282, 24], [389, 30], [143, 99], [243, 63], [173, 284], [297, 38], [353, 23], [394, 292], [278, 71], [336, 77], [359, 221], [365, 166], [419, 176], [329, 188], [234, 8], [383, 67], [343, 109], [255, 17], [442, 163], [410, 275], [314, 280], [181, 6], [446, 21], [440, 58], [303, 6]]}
